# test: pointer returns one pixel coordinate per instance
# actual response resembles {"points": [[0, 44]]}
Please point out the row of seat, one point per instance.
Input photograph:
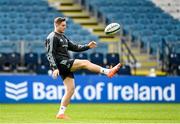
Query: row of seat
{"points": [[34, 8], [31, 61], [26, 21], [31, 43], [35, 58], [41, 37], [23, 2], [43, 14], [117, 3]]}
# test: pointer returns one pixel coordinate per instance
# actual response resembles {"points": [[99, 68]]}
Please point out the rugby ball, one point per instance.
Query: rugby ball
{"points": [[112, 28]]}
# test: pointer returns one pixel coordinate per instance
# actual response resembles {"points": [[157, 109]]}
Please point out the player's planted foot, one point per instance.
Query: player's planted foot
{"points": [[114, 70], [62, 116]]}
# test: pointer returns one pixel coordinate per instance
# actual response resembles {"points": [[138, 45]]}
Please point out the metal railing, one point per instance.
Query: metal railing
{"points": [[126, 51], [167, 49]]}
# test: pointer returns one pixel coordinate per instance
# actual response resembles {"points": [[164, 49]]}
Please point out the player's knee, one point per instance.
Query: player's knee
{"points": [[85, 63]]}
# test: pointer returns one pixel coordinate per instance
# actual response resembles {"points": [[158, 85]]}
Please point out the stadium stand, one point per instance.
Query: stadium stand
{"points": [[143, 20], [30, 22], [25, 24], [91, 18], [147, 16]]}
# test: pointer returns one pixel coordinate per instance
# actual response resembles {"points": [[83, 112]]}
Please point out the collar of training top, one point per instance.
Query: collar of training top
{"points": [[58, 33]]}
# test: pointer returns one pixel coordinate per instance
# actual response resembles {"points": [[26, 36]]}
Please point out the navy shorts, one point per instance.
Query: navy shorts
{"points": [[64, 67]]}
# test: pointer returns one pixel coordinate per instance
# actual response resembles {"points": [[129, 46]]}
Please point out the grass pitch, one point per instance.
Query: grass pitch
{"points": [[90, 113]]}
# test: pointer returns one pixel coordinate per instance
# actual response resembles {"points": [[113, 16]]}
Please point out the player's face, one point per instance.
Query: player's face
{"points": [[61, 27]]}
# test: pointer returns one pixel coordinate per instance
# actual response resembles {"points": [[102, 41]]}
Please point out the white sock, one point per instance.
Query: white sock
{"points": [[104, 70], [62, 109]]}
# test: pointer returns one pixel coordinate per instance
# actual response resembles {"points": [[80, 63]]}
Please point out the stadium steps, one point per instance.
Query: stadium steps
{"points": [[145, 62], [83, 15], [76, 12], [142, 72], [73, 8]]}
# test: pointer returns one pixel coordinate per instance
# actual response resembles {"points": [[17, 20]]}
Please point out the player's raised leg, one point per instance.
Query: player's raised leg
{"points": [[69, 91], [85, 64]]}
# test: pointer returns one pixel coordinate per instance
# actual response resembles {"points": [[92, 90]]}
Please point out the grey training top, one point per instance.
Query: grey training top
{"points": [[57, 46]]}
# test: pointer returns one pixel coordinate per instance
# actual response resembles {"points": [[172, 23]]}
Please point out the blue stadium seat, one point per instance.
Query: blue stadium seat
{"points": [[20, 21], [36, 20], [31, 60], [128, 21], [29, 26], [171, 38], [153, 27], [74, 26], [144, 21], [156, 39], [13, 15], [28, 15], [36, 32], [146, 32], [4, 8], [44, 60], [77, 38], [125, 70], [159, 21], [162, 32], [177, 32], [1, 38], [92, 38], [112, 58], [29, 37], [69, 32], [165, 16], [43, 26], [178, 70], [83, 32], [13, 37], [151, 16], [80, 56], [136, 27], [8, 46], [175, 58], [13, 26], [42, 69], [6, 32], [97, 58], [13, 59], [2, 60], [174, 62], [37, 47]]}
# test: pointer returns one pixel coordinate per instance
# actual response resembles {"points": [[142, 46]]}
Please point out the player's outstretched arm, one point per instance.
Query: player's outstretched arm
{"points": [[79, 48]]}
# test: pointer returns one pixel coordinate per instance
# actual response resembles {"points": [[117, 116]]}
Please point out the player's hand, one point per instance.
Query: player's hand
{"points": [[92, 44], [55, 73]]}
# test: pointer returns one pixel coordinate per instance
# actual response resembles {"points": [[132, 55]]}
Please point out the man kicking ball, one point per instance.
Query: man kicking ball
{"points": [[57, 45]]}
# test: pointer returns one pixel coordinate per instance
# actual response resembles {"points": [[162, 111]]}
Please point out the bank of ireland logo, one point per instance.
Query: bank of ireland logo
{"points": [[16, 91]]}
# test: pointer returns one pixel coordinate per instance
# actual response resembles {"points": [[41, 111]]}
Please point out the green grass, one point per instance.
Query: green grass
{"points": [[90, 113]]}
